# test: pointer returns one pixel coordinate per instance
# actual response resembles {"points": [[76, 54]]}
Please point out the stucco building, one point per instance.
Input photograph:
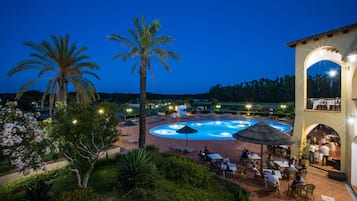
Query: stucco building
{"points": [[314, 105]]}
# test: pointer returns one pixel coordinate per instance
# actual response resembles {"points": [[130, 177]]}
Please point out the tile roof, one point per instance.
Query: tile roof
{"points": [[328, 34]]}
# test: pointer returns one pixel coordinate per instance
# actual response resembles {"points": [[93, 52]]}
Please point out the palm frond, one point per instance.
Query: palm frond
{"points": [[134, 67], [20, 67], [45, 69], [25, 87], [162, 40], [163, 63], [92, 74], [121, 39], [174, 55]]}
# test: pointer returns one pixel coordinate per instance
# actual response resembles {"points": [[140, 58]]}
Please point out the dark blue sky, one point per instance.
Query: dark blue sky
{"points": [[220, 42]]}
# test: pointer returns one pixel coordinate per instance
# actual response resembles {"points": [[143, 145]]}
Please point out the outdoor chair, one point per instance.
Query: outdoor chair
{"points": [[297, 190], [289, 175], [309, 191], [303, 173], [272, 187]]}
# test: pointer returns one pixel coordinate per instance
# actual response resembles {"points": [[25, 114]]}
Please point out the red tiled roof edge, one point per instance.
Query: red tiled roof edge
{"points": [[316, 37]]}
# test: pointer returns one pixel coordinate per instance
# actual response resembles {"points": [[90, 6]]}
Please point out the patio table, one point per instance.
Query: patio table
{"points": [[232, 166], [215, 156], [269, 171], [254, 156], [282, 164]]}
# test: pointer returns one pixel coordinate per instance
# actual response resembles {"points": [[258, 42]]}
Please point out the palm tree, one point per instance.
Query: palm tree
{"points": [[145, 44], [65, 63]]}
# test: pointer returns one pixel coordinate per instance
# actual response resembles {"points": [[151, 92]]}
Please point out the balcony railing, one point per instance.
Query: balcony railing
{"points": [[326, 104]]}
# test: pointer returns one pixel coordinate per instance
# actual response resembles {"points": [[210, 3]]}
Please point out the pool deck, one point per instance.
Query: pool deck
{"points": [[232, 149]]}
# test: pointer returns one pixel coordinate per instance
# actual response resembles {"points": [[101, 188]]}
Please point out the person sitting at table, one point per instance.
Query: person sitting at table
{"points": [[225, 160], [203, 156], [289, 169], [274, 180], [206, 151], [270, 162], [293, 161], [244, 156], [298, 180]]}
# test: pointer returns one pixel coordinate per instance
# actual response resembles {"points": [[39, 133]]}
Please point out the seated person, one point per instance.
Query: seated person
{"points": [[270, 162], [245, 153], [298, 180], [203, 156], [293, 161], [225, 160], [206, 151], [273, 179], [289, 169]]}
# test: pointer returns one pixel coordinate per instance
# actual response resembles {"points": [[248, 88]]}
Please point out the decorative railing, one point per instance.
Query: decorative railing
{"points": [[326, 104]]}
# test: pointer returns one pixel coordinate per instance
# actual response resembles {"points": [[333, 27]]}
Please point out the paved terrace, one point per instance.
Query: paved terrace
{"points": [[340, 191], [232, 149]]}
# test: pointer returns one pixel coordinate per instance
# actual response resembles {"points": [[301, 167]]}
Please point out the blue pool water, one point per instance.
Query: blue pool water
{"points": [[211, 129]]}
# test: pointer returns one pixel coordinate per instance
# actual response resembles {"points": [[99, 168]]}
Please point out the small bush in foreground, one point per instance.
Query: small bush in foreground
{"points": [[136, 169], [183, 170]]}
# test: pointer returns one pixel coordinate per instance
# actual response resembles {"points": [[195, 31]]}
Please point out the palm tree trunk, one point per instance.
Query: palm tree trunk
{"points": [[142, 117]]}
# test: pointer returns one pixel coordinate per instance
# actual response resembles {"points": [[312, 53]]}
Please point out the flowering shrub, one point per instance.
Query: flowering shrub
{"points": [[22, 140]]}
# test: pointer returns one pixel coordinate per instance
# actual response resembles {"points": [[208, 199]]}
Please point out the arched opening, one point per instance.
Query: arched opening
{"points": [[354, 162], [323, 81], [324, 146]]}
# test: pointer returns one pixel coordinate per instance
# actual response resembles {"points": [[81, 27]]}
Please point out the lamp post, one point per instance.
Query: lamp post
{"points": [[283, 107], [129, 111], [249, 106]]}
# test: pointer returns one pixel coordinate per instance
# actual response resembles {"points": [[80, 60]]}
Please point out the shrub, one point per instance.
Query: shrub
{"points": [[39, 190], [183, 170], [136, 169], [85, 194]]}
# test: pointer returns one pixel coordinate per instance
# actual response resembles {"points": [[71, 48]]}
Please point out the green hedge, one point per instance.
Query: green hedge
{"points": [[183, 170]]}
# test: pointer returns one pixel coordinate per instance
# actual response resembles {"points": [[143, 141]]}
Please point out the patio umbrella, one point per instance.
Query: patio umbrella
{"points": [[263, 134], [186, 130], [128, 123]]}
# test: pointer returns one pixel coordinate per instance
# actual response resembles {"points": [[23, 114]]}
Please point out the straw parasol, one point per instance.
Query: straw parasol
{"points": [[128, 123], [186, 130], [263, 134]]}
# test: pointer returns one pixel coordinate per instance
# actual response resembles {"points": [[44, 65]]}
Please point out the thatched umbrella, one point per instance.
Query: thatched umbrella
{"points": [[186, 130], [263, 134], [128, 123]]}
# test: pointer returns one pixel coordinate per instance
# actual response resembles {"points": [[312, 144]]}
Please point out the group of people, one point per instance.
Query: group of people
{"points": [[317, 148]]}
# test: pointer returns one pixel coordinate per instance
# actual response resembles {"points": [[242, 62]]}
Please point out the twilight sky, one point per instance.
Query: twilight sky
{"points": [[220, 41]]}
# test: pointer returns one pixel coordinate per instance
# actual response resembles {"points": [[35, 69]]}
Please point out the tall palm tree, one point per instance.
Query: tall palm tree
{"points": [[65, 64], [145, 44]]}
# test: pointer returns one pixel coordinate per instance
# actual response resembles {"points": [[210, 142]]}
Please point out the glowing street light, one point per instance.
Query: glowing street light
{"points": [[129, 110], [74, 121], [249, 106], [218, 106], [100, 111]]}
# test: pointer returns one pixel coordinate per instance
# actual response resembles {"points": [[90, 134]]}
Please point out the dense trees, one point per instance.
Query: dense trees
{"points": [[264, 90]]}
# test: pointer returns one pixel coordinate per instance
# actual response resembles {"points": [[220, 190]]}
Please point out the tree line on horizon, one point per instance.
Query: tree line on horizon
{"points": [[282, 89]]}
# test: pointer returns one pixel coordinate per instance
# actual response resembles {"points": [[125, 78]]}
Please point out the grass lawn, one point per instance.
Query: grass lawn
{"points": [[104, 182]]}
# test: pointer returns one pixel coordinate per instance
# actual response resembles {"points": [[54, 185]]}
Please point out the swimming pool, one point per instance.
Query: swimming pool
{"points": [[211, 129]]}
